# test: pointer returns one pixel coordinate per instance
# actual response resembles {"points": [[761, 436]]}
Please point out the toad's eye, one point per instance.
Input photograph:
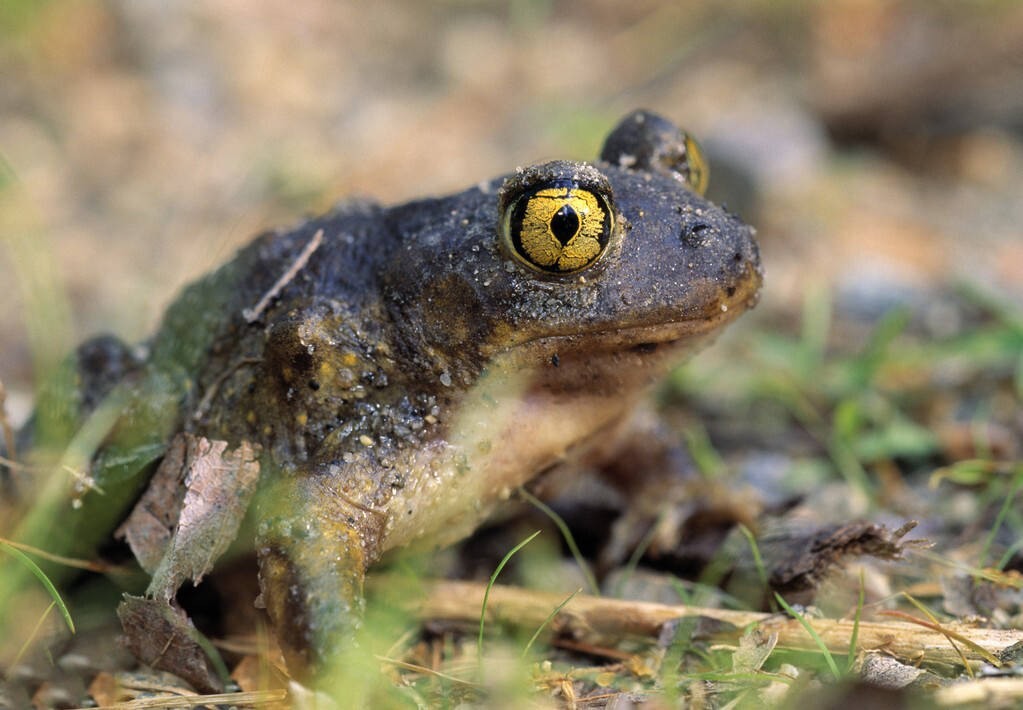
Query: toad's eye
{"points": [[558, 227], [694, 166]]}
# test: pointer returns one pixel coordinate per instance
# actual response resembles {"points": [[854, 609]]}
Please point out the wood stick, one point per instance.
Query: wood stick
{"points": [[986, 692], [588, 617], [255, 697]]}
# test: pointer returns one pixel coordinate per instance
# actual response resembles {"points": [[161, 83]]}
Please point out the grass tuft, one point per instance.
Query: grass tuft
{"points": [[851, 661], [637, 555], [1000, 519], [758, 561], [41, 576], [828, 658], [541, 627], [584, 567], [486, 594]]}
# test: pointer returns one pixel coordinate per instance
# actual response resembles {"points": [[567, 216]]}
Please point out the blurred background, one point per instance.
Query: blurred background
{"points": [[877, 146]]}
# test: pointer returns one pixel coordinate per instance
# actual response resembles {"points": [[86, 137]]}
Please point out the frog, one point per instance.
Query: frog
{"points": [[398, 370]]}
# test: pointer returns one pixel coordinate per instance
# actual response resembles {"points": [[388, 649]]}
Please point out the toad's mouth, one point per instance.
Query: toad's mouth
{"points": [[656, 332]]}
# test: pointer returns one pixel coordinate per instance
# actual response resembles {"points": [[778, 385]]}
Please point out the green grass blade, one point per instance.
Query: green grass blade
{"points": [[758, 561], [1012, 550], [684, 596], [546, 621], [34, 568], [708, 461], [486, 594], [637, 554], [1018, 377], [591, 581], [829, 659], [669, 675], [856, 629], [1000, 518], [816, 326]]}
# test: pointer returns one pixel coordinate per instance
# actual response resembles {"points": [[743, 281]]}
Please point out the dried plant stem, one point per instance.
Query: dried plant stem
{"points": [[595, 618], [251, 315], [92, 566], [13, 465]]}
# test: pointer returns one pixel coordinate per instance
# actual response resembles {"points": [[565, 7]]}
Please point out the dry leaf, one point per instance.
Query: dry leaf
{"points": [[162, 636], [754, 648], [810, 557], [191, 511], [149, 527], [886, 672], [257, 673], [105, 689]]}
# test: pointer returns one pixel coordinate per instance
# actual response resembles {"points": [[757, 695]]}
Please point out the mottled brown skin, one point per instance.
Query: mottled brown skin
{"points": [[412, 373]]}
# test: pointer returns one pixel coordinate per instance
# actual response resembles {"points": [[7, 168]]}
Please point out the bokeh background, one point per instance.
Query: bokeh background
{"points": [[877, 146]]}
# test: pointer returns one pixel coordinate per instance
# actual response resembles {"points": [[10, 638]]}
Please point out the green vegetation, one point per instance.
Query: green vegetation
{"points": [[864, 412]]}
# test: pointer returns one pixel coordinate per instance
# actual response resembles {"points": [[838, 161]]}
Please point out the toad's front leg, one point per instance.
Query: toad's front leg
{"points": [[313, 545]]}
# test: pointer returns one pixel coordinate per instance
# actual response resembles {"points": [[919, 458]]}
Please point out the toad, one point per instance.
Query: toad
{"points": [[396, 371]]}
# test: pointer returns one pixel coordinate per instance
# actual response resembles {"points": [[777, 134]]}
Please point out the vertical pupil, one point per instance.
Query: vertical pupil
{"points": [[564, 224]]}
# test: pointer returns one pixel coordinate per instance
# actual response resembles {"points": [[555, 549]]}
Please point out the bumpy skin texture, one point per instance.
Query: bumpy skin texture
{"points": [[411, 372]]}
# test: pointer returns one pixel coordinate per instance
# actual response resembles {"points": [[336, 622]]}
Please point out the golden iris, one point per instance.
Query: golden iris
{"points": [[559, 227], [695, 168]]}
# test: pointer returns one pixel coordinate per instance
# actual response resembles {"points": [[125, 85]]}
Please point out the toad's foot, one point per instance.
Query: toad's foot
{"points": [[313, 547]]}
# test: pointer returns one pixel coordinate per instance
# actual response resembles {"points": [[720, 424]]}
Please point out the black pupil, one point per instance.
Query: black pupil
{"points": [[564, 224]]}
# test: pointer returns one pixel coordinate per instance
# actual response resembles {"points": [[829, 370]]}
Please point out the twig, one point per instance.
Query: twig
{"points": [[592, 650], [243, 647], [597, 698], [590, 617], [251, 315], [985, 574], [255, 697], [14, 465], [89, 565], [988, 692], [426, 671], [86, 480], [949, 634], [30, 639]]}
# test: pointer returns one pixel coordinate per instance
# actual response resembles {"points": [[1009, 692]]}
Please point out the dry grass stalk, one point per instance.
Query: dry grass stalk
{"points": [[251, 315]]}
